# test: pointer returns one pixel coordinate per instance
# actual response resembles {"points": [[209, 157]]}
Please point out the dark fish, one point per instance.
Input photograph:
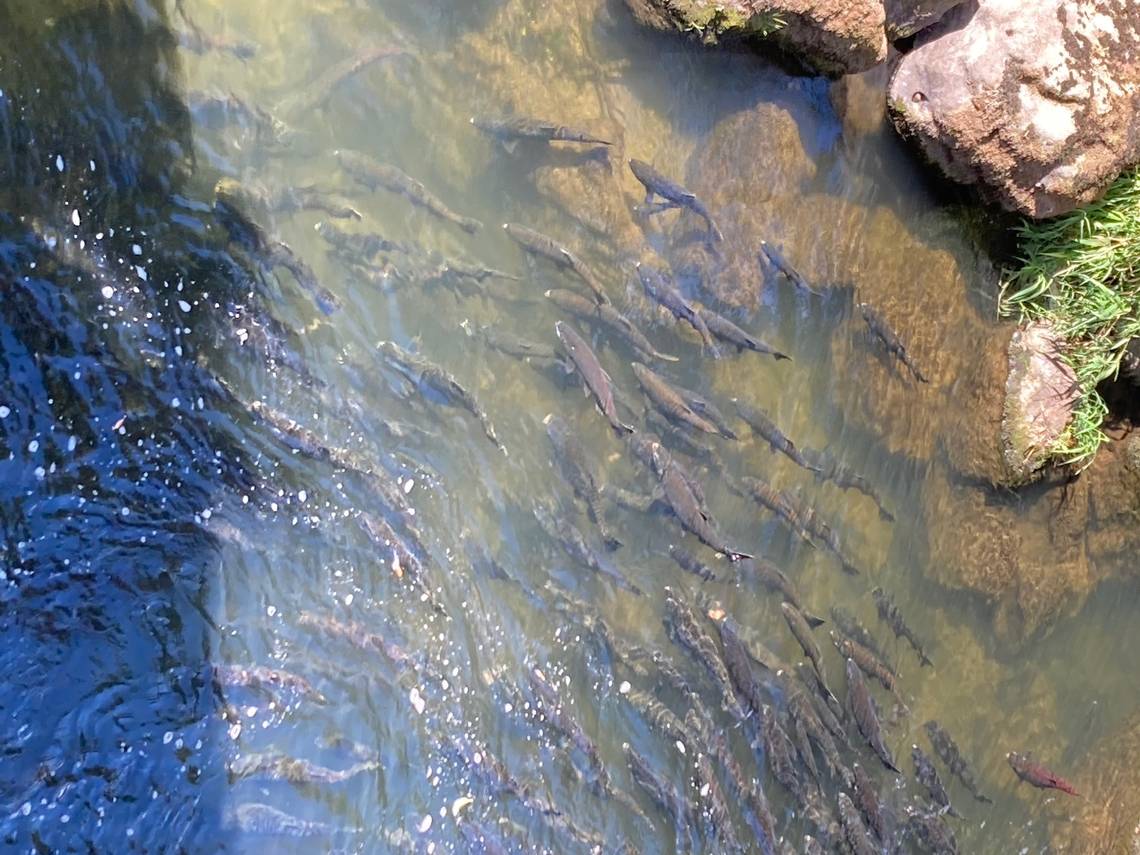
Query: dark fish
{"points": [[358, 636], [559, 716], [757, 812], [261, 677], [886, 336], [759, 421], [810, 726], [927, 775], [279, 767], [663, 794], [395, 554], [310, 198], [826, 705], [853, 628], [575, 546], [691, 564], [844, 478], [706, 409], [596, 379], [776, 258], [572, 463], [737, 660], [221, 110], [669, 402], [889, 613], [283, 256], [513, 345], [1032, 772], [687, 502], [775, 580], [716, 814], [231, 201], [858, 839], [862, 707], [256, 818], [727, 331], [605, 315], [198, 41], [315, 95], [931, 832], [800, 628], [363, 245], [775, 501], [866, 797], [949, 753], [512, 130], [661, 718], [685, 629], [373, 175], [424, 373], [664, 293], [868, 662], [674, 194], [539, 244], [780, 754], [799, 734], [303, 441]]}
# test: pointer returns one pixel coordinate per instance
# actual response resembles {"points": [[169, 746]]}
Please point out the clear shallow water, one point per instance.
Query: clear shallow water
{"points": [[177, 533]]}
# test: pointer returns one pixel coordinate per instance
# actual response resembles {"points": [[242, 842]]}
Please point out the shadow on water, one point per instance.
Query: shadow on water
{"points": [[114, 454]]}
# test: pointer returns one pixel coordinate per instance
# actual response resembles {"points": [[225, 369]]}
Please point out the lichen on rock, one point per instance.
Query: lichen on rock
{"points": [[1041, 393], [1035, 103]]}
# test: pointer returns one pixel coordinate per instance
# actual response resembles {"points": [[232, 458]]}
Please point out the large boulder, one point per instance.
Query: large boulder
{"points": [[833, 36], [1036, 103], [907, 17]]}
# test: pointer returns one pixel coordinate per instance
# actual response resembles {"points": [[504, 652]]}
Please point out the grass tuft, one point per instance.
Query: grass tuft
{"points": [[1081, 272]]}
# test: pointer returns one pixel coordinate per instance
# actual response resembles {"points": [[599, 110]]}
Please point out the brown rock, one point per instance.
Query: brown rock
{"points": [[833, 36], [1040, 394], [907, 17], [1035, 103]]}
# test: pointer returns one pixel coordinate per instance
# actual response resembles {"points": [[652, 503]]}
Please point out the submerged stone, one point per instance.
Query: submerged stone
{"points": [[833, 36], [1107, 818]]}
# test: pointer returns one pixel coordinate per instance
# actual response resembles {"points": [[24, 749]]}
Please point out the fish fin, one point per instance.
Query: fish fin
{"points": [[665, 357], [813, 621], [729, 434]]}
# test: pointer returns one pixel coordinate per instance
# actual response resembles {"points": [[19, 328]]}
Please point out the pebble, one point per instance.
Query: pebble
{"points": [[425, 823]]}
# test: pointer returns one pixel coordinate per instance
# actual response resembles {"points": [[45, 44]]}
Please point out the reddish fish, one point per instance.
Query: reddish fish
{"points": [[1034, 773]]}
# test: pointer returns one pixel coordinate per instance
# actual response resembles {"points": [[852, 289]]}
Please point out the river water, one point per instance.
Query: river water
{"points": [[161, 532]]}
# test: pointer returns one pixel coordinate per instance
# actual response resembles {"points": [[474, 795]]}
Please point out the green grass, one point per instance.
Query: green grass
{"points": [[1081, 272]]}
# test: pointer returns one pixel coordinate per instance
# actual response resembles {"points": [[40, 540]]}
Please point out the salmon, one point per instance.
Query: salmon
{"points": [[1032, 772]]}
